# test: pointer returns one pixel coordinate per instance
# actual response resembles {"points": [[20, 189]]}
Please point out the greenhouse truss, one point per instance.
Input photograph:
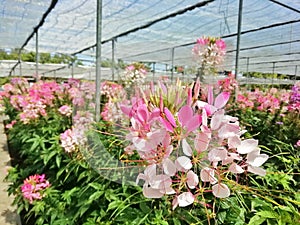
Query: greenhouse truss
{"points": [[155, 32]]}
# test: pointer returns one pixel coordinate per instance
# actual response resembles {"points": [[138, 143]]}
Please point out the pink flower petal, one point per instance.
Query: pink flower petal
{"points": [[216, 120], [185, 199], [175, 203], [185, 114], [154, 114], [170, 117], [163, 87], [126, 110], [166, 124], [222, 99], [142, 113], [194, 123], [166, 141], [202, 141], [210, 95], [220, 190]]}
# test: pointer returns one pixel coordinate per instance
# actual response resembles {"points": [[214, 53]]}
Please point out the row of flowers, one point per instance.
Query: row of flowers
{"points": [[179, 136]]}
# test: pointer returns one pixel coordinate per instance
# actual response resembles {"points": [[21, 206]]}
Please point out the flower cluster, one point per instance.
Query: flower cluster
{"points": [[33, 187], [72, 139], [229, 84], [189, 150], [134, 74], [112, 90], [65, 110], [270, 101], [294, 103], [209, 52], [11, 124], [81, 93], [114, 94], [31, 102]]}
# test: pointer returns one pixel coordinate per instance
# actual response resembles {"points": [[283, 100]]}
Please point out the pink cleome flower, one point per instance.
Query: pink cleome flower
{"points": [[186, 149], [33, 187]]}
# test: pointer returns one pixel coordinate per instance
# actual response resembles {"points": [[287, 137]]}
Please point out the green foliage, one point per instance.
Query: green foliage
{"points": [[265, 75], [43, 57], [79, 194]]}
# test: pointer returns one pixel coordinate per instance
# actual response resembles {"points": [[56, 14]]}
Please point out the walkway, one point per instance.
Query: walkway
{"points": [[8, 214]]}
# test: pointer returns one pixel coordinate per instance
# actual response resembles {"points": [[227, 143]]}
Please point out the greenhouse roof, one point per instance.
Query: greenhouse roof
{"points": [[150, 31]]}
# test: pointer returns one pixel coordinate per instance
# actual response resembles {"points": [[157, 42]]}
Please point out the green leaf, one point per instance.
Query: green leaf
{"points": [[48, 156], [58, 160], [256, 220], [96, 186], [176, 221], [144, 207], [96, 195], [114, 205], [268, 214]]}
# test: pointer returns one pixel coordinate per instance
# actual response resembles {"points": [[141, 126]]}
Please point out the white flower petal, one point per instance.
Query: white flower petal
{"points": [[183, 163], [208, 175], [247, 146], [150, 192], [150, 170], [234, 142], [185, 199], [220, 190], [192, 179], [234, 168], [217, 154], [187, 150], [256, 159], [169, 167], [257, 170], [175, 203]]}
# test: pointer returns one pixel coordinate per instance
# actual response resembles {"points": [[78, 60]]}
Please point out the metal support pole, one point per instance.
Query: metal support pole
{"points": [[247, 70], [72, 70], [113, 59], [238, 38], [37, 54], [172, 59], [295, 73], [20, 69], [98, 59], [153, 67], [118, 69], [273, 71]]}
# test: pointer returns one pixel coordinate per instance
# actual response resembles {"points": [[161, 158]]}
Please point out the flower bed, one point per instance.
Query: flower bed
{"points": [[168, 154]]}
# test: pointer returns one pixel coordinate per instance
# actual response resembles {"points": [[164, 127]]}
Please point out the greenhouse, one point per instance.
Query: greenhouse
{"points": [[150, 112]]}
